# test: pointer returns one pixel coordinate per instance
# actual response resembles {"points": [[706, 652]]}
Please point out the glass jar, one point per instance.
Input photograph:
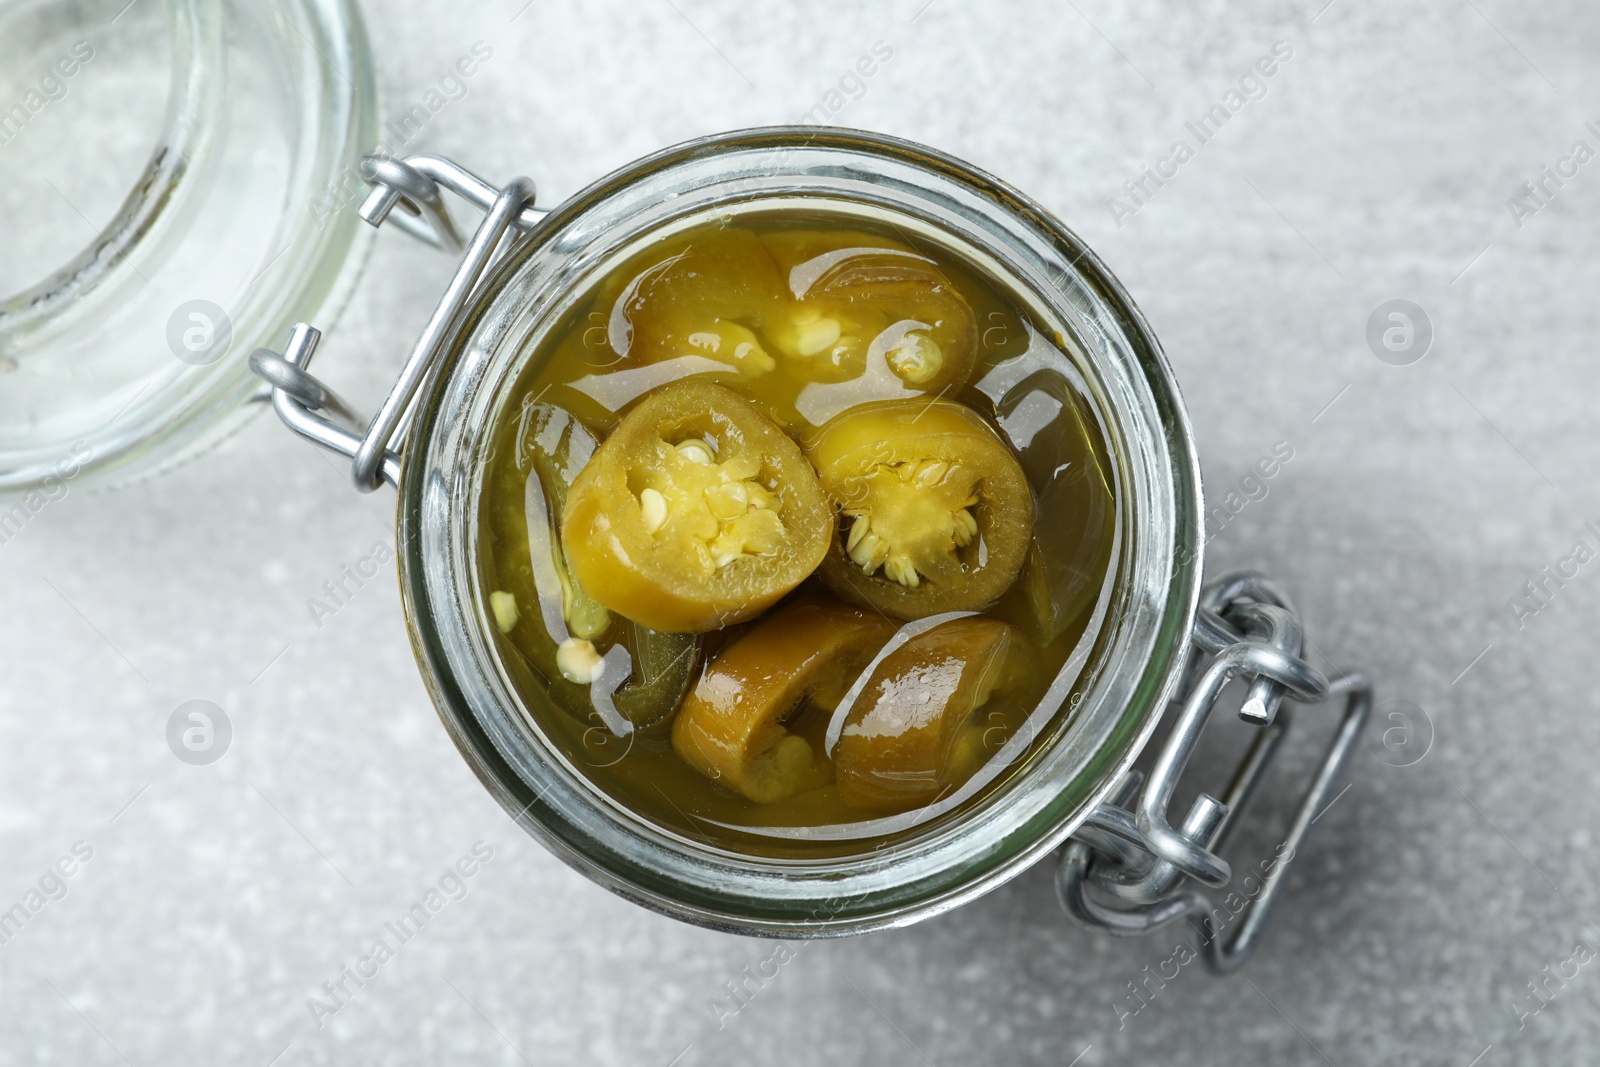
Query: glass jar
{"points": [[1156, 635], [1147, 613], [228, 179]]}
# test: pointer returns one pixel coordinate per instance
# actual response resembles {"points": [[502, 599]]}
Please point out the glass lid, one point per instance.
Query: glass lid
{"points": [[178, 186]]}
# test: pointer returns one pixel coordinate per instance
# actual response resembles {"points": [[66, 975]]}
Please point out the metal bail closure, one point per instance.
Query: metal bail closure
{"points": [[413, 184], [1124, 868]]}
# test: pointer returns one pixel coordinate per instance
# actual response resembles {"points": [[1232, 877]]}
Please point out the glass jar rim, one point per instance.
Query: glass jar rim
{"points": [[975, 851]]}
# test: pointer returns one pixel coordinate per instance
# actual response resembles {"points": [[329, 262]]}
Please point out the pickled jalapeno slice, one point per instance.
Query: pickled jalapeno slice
{"points": [[858, 301], [910, 737], [556, 624], [554, 446], [696, 513], [663, 665], [706, 298], [936, 514], [731, 727]]}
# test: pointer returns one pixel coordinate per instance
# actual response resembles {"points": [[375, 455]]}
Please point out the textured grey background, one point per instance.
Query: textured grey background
{"points": [[1378, 165]]}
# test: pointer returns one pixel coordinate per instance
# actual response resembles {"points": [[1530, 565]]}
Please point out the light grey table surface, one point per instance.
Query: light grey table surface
{"points": [[1420, 498]]}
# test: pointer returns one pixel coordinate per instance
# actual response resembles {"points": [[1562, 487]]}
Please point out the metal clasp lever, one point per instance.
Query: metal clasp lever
{"points": [[1123, 870], [310, 408]]}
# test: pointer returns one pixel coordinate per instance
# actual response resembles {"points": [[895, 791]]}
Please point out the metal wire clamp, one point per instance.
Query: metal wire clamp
{"points": [[1123, 869], [414, 185]]}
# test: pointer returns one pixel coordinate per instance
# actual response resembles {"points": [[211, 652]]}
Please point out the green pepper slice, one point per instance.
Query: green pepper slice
{"points": [[696, 513], [937, 515], [704, 298], [910, 737], [731, 728], [563, 628], [860, 301]]}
